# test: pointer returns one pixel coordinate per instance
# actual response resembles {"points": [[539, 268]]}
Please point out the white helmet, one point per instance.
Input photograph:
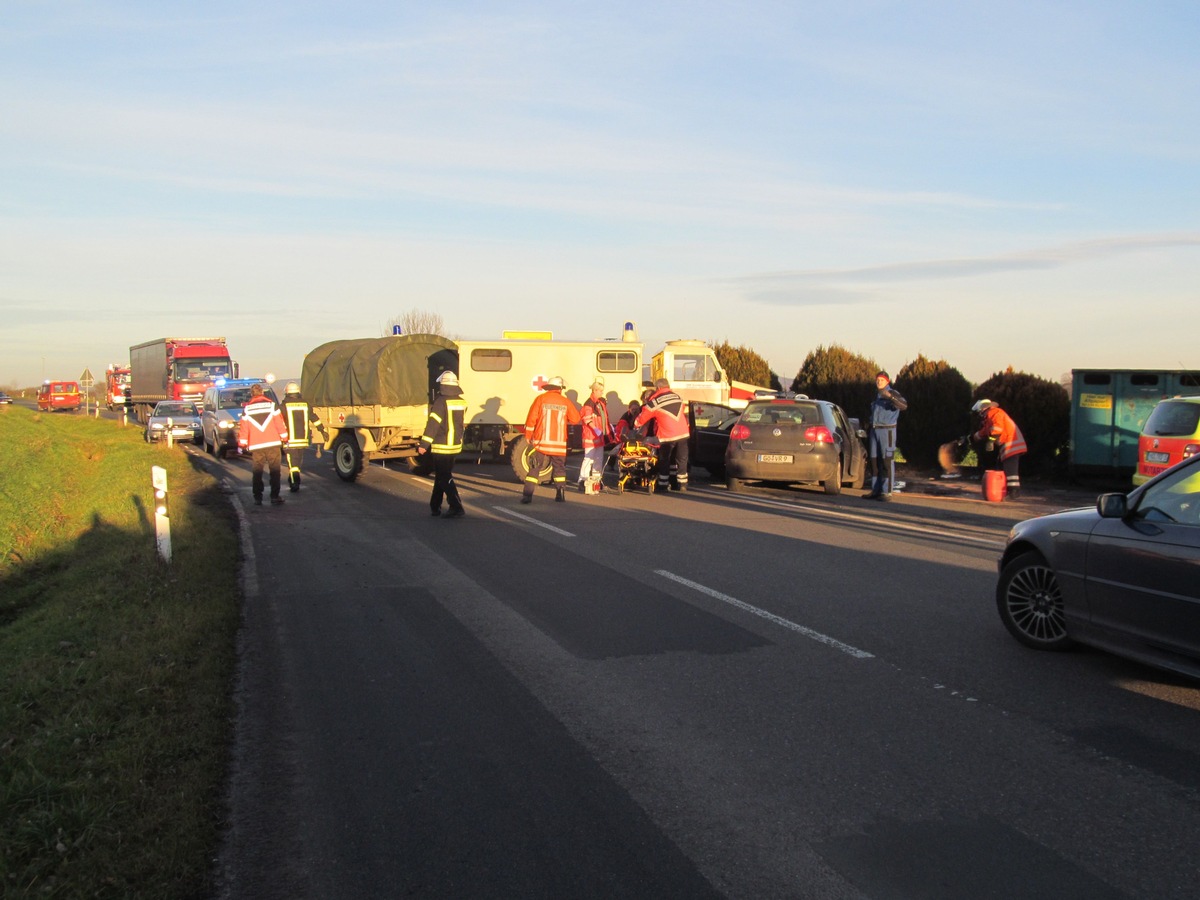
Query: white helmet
{"points": [[981, 405], [556, 381], [293, 388], [447, 377]]}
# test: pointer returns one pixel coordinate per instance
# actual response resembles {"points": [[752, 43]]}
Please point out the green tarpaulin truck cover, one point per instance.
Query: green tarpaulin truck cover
{"points": [[383, 371]]}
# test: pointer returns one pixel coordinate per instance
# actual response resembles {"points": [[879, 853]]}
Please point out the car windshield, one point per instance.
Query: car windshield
{"points": [[777, 413], [175, 409], [1174, 498], [235, 398], [1173, 419]]}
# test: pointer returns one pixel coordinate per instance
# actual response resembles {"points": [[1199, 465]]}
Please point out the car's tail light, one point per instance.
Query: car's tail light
{"points": [[739, 433], [818, 434], [1190, 450]]}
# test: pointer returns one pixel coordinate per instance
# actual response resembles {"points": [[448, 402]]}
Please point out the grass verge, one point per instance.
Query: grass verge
{"points": [[115, 668]]}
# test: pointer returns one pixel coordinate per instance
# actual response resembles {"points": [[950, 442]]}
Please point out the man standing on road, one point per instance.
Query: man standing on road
{"points": [[300, 419], [997, 427], [668, 412], [263, 432], [443, 439], [597, 432], [881, 445], [546, 431]]}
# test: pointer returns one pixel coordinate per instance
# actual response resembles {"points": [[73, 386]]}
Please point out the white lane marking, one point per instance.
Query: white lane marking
{"points": [[249, 561], [770, 617], [892, 524], [531, 521]]}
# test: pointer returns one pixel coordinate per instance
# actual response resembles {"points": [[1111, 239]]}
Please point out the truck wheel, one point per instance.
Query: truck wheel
{"points": [[347, 456], [522, 461]]}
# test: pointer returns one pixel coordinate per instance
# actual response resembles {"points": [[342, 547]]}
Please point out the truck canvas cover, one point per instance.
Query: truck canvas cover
{"points": [[384, 371]]}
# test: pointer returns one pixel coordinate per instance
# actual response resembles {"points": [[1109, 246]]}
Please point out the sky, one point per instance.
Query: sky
{"points": [[990, 184]]}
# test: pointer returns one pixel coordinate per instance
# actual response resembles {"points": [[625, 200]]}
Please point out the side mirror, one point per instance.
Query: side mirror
{"points": [[1112, 506]]}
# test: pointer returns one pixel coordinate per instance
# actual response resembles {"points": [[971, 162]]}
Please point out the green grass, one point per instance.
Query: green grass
{"points": [[115, 668]]}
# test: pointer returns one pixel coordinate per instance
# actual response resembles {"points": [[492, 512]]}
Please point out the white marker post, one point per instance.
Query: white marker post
{"points": [[162, 512]]}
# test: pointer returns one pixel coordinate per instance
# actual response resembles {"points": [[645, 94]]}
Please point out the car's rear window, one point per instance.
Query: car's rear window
{"points": [[780, 413], [1173, 419], [174, 409]]}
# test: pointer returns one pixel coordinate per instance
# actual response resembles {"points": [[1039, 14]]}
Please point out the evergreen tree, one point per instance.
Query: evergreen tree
{"points": [[1041, 409], [742, 364], [837, 375], [939, 403]]}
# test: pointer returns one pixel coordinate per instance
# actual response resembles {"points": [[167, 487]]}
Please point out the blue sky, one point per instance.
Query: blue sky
{"points": [[989, 184]]}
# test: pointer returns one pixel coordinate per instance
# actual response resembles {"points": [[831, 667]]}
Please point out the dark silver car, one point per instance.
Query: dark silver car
{"points": [[1124, 576], [179, 418], [790, 439]]}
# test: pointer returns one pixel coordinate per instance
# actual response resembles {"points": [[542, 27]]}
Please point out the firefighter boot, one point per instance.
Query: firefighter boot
{"points": [[560, 494]]}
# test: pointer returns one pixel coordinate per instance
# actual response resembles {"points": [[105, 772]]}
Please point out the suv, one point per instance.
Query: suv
{"points": [[221, 410], [55, 395], [1171, 435]]}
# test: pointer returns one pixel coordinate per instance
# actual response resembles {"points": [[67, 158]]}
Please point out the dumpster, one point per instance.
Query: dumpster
{"points": [[1109, 407]]}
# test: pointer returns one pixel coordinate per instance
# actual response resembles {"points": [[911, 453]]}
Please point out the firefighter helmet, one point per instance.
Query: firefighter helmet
{"points": [[447, 377], [556, 382], [981, 405], [293, 388]]}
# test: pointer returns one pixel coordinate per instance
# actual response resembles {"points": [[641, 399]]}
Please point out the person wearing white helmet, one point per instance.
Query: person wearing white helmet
{"points": [[443, 441], [546, 431], [997, 427], [301, 422]]}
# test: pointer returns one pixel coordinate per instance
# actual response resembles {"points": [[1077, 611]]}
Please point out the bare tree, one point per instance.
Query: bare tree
{"points": [[417, 321]]}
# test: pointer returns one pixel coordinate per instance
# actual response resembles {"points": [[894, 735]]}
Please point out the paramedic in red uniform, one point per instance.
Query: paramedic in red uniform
{"points": [[263, 432], [546, 431], [997, 426], [597, 432], [668, 412]]}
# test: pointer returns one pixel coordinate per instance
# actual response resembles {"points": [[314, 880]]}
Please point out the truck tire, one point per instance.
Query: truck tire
{"points": [[347, 456], [522, 460]]}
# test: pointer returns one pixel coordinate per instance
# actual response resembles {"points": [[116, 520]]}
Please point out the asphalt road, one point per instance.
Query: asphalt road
{"points": [[778, 694]]}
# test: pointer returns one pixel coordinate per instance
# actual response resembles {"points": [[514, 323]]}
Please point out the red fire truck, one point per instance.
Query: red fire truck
{"points": [[116, 380]]}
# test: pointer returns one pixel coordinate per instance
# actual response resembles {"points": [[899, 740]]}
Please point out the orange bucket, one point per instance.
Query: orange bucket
{"points": [[995, 485]]}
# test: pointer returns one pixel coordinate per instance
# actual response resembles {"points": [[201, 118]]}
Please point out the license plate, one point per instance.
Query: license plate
{"points": [[1157, 456], [774, 457]]}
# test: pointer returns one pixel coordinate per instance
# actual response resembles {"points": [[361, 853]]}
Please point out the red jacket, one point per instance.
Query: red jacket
{"points": [[597, 430], [998, 426], [262, 425], [546, 424], [669, 413]]}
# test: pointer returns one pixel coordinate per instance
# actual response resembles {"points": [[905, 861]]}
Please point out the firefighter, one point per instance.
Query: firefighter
{"points": [[546, 431], [262, 431], [997, 427], [301, 421], [881, 442], [667, 411], [443, 440]]}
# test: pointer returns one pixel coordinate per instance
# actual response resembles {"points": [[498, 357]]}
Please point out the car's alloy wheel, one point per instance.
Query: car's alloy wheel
{"points": [[1031, 605]]}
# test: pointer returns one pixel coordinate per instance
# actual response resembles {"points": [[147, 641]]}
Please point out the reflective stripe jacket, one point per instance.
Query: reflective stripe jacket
{"points": [[597, 430], [998, 426], [261, 425], [669, 413], [444, 429], [297, 417], [546, 424]]}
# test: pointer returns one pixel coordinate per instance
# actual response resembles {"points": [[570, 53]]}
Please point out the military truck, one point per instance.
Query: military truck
{"points": [[373, 394]]}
